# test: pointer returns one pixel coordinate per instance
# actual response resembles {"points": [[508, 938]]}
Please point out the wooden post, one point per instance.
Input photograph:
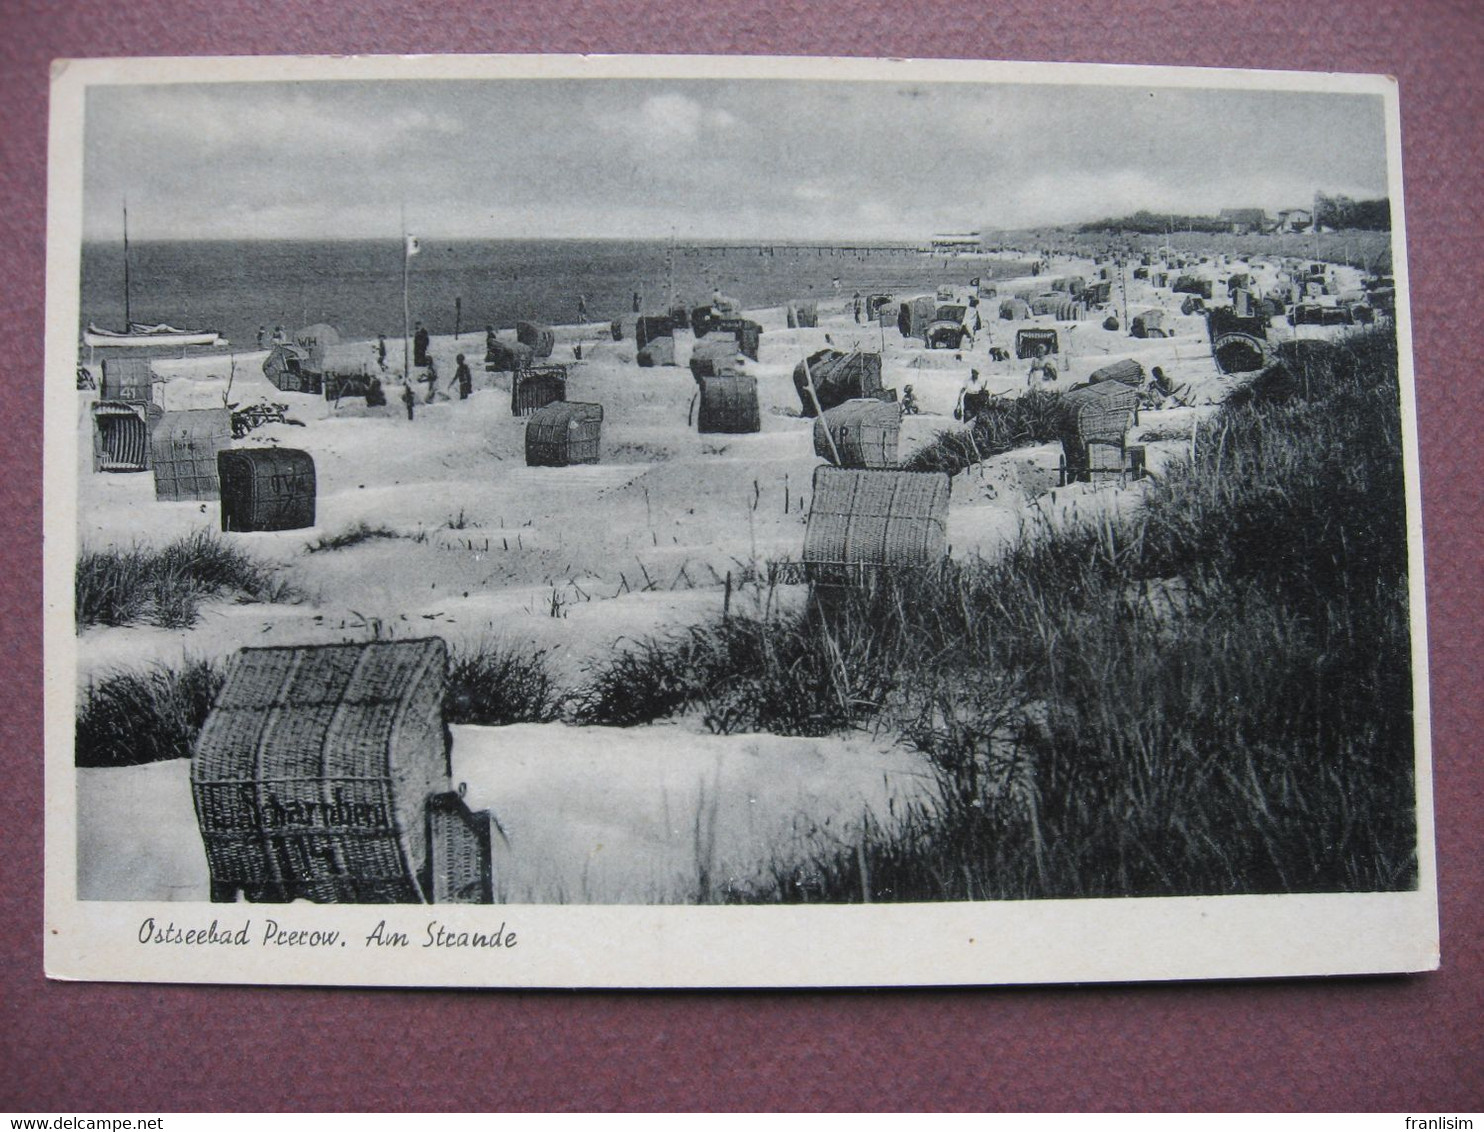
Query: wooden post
{"points": [[818, 412]]}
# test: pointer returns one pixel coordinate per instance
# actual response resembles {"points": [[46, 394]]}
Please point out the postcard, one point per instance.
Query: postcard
{"points": [[672, 521]]}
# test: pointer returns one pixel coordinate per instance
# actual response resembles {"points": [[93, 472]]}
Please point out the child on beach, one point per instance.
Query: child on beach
{"points": [[463, 379]]}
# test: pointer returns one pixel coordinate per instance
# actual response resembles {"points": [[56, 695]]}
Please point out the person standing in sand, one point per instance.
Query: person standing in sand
{"points": [[432, 380], [581, 309], [408, 398], [381, 350], [420, 342], [262, 334], [972, 399], [463, 379]]}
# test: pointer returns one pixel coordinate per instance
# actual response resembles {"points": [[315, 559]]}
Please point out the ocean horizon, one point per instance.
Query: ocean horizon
{"points": [[236, 287]]}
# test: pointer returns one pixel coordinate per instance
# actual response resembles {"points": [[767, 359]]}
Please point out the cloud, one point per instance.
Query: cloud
{"points": [[717, 159]]}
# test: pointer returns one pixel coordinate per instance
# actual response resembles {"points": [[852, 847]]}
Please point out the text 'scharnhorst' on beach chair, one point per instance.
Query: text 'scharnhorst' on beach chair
{"points": [[322, 773]]}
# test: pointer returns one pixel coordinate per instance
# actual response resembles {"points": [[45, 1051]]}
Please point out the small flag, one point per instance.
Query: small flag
{"points": [[413, 247]]}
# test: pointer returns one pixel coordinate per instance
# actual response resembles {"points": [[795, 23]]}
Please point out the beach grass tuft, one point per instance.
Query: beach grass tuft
{"points": [[166, 586], [495, 684], [128, 718]]}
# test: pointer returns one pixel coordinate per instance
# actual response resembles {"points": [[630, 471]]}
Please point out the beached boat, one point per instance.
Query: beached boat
{"points": [[140, 336]]}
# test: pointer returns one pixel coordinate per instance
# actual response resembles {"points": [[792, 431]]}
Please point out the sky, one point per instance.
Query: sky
{"points": [[724, 159]]}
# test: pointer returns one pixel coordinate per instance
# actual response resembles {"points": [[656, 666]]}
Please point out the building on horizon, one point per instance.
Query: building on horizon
{"points": [[958, 242]]}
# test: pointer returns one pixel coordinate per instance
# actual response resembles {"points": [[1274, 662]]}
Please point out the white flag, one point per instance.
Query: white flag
{"points": [[412, 246]]}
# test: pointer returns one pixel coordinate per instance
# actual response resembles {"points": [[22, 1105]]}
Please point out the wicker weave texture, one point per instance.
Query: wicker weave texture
{"points": [[1239, 353], [1099, 412], [648, 327], [541, 339], [287, 368], [459, 852], [1012, 310], [800, 315], [865, 432], [838, 378], [913, 315], [1027, 340], [1225, 320], [1095, 427], [121, 433], [657, 352], [1126, 370], [1192, 285], [748, 334], [311, 774], [126, 379], [183, 450], [266, 489], [1059, 307], [507, 357], [564, 433], [1147, 321], [714, 355], [537, 386], [729, 404], [876, 517]]}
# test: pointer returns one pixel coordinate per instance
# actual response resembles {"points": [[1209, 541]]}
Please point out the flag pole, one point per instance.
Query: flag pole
{"points": [[406, 314], [127, 315]]}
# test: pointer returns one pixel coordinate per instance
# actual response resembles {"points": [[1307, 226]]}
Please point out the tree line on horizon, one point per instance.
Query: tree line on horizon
{"points": [[1335, 212]]}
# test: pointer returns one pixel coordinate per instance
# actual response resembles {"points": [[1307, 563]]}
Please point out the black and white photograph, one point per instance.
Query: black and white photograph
{"points": [[691, 521]]}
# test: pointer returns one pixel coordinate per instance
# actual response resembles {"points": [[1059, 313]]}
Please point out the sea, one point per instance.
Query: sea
{"points": [[238, 287]]}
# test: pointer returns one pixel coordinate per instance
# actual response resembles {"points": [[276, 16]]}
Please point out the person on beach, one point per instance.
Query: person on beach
{"points": [[420, 346], [375, 394], [855, 303], [432, 379], [381, 350], [581, 309], [279, 337], [1041, 366], [408, 398], [464, 379], [971, 325], [491, 339], [910, 408], [636, 302], [972, 399], [262, 334]]}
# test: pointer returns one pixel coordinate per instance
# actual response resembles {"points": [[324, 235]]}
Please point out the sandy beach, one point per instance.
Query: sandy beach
{"points": [[472, 545]]}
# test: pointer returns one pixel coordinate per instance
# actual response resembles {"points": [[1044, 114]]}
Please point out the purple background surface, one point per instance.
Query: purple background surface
{"points": [[1413, 1044]]}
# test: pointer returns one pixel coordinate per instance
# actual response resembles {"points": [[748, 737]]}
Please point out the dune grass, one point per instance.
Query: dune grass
{"points": [[1211, 694], [1005, 423], [495, 684], [145, 716], [353, 535], [165, 586]]}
